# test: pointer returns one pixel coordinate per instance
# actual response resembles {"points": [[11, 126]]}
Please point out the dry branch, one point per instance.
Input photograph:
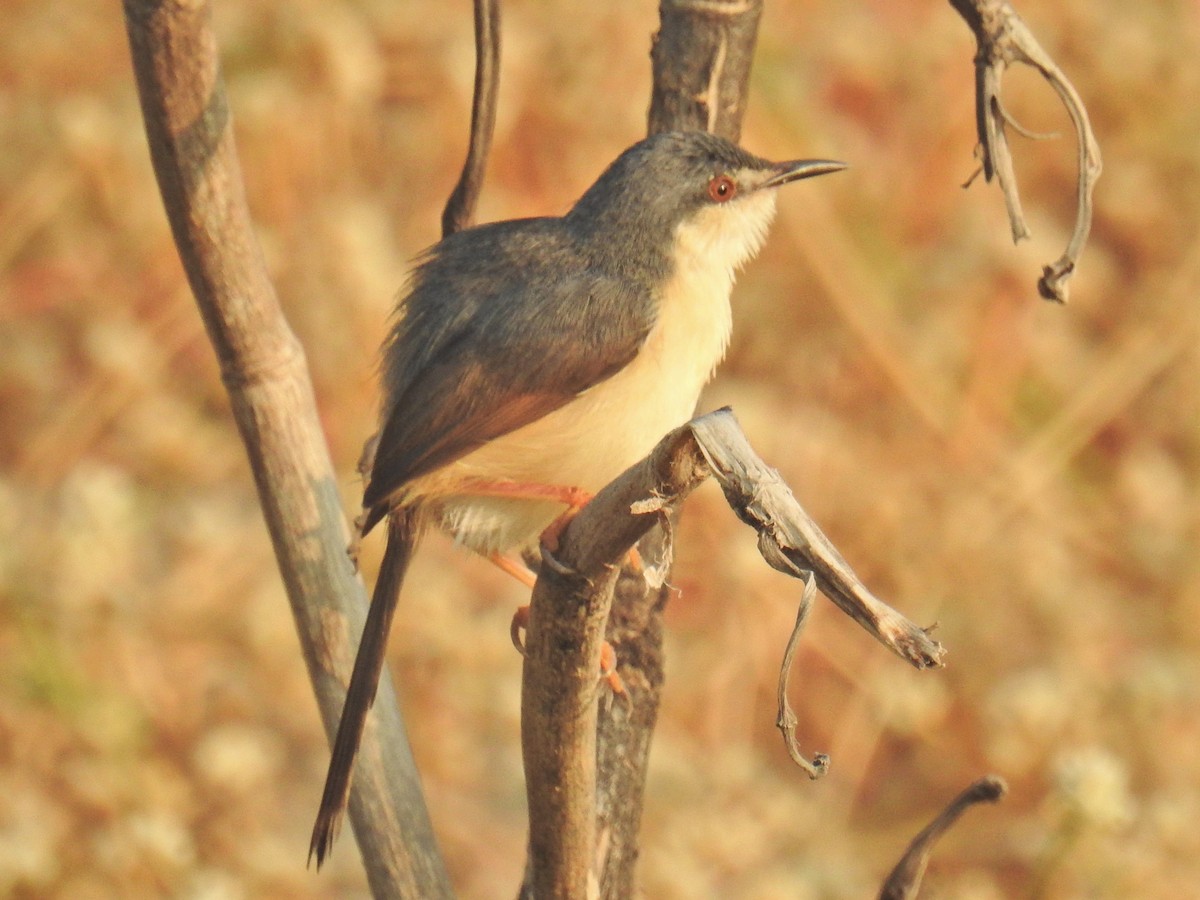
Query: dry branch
{"points": [[790, 541], [1002, 39], [188, 125], [701, 62], [571, 604], [904, 881], [568, 614]]}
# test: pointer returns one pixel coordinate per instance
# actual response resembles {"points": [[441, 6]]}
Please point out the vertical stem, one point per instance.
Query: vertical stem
{"points": [[701, 58], [187, 120]]}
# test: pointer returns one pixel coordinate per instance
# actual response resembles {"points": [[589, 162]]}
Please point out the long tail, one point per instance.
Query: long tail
{"points": [[401, 538]]}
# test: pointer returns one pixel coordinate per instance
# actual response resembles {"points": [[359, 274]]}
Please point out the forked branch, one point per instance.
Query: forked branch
{"points": [[571, 604]]}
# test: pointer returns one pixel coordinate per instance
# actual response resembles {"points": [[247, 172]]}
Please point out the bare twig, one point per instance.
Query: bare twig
{"points": [[460, 208], [1003, 38], [786, 721], [188, 125], [905, 880]]}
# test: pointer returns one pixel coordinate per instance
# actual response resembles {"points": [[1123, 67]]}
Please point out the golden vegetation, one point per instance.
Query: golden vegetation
{"points": [[1026, 475]]}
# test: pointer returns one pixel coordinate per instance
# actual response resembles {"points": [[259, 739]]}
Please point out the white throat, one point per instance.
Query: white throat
{"points": [[722, 238]]}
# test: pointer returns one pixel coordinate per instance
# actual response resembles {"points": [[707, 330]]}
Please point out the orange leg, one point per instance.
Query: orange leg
{"points": [[553, 532], [520, 621], [513, 567], [524, 490], [519, 571], [608, 670]]}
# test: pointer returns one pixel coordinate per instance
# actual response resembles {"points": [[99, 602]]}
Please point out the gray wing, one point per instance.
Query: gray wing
{"points": [[503, 325]]}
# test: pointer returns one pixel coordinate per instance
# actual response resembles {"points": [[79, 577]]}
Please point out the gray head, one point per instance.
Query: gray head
{"points": [[685, 187]]}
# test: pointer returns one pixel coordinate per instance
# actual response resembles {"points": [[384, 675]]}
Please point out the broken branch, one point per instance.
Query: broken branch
{"points": [[790, 541]]}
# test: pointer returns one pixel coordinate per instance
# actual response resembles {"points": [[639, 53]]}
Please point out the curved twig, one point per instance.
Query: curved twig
{"points": [[1003, 38], [460, 208], [786, 721], [905, 879]]}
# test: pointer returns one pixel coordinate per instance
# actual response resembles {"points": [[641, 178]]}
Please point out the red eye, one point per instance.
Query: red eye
{"points": [[721, 188]]}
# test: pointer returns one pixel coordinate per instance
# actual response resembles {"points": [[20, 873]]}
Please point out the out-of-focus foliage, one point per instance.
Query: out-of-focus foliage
{"points": [[1028, 476]]}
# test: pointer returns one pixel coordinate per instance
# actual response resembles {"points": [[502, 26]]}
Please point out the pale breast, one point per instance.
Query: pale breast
{"points": [[612, 425]]}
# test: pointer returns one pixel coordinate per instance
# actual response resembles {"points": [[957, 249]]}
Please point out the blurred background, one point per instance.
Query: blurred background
{"points": [[1023, 474]]}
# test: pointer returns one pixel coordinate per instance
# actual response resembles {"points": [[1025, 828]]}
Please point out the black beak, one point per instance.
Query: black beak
{"points": [[796, 169]]}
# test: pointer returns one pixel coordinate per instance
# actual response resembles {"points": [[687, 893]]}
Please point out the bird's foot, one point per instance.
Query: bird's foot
{"points": [[575, 499], [520, 621], [608, 656]]}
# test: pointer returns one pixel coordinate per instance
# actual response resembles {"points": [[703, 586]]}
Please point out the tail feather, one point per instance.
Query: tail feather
{"points": [[401, 538]]}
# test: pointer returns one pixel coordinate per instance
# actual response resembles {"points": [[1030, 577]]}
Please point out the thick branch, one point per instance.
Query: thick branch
{"points": [[571, 604], [701, 66], [1003, 38], [702, 57], [191, 145], [568, 614]]}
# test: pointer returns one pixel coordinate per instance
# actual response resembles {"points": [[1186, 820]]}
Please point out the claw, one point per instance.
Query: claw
{"points": [[520, 621], [608, 670]]}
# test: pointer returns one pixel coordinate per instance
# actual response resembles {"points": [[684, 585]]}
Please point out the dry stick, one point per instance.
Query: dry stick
{"points": [[460, 208], [786, 720], [571, 604], [187, 121], [1003, 38], [905, 880], [791, 542]]}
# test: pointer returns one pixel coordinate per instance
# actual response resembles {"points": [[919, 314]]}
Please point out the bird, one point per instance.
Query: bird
{"points": [[531, 361]]}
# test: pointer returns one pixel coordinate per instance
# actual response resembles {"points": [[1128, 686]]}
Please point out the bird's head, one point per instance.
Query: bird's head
{"points": [[687, 192]]}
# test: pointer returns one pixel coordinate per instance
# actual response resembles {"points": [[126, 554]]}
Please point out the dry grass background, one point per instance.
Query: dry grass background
{"points": [[1023, 474]]}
